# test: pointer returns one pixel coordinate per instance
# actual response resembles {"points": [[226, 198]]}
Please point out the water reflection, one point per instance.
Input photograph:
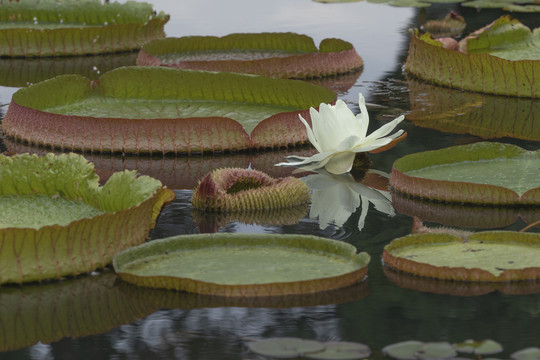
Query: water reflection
{"points": [[335, 198]]}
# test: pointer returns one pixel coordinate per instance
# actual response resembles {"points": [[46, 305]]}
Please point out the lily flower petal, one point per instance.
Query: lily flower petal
{"points": [[338, 135]]}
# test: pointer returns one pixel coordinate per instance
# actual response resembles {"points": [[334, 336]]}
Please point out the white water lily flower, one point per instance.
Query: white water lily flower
{"points": [[335, 198], [338, 135]]}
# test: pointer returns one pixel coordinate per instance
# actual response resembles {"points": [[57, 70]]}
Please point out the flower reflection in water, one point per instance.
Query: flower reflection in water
{"points": [[335, 198]]}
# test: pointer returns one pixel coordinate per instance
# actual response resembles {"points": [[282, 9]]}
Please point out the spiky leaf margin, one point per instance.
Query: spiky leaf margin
{"points": [[132, 205], [212, 193], [96, 28], [185, 242], [461, 273], [430, 61], [25, 120], [305, 60], [455, 191]]}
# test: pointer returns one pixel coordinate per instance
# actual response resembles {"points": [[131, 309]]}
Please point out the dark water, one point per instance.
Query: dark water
{"points": [[98, 317]]}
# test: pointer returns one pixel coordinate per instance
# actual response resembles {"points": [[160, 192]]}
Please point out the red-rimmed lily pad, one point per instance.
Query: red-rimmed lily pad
{"points": [[30, 28], [283, 55], [155, 109], [57, 220], [72, 308], [493, 256], [243, 265], [481, 173], [500, 59]]}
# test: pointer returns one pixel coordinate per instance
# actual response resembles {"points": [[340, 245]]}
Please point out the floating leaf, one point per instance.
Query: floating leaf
{"points": [[31, 28], [413, 349], [483, 115], [232, 190], [243, 264], [341, 350], [404, 350], [153, 109], [72, 308], [531, 353], [285, 348], [478, 70], [451, 25], [65, 223], [484, 347], [487, 256], [284, 55], [481, 173]]}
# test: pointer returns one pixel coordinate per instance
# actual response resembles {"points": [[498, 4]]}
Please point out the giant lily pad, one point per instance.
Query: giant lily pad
{"points": [[31, 28], [284, 55], [465, 112], [494, 256], [500, 59], [155, 109], [243, 265], [72, 308], [481, 173], [58, 221]]}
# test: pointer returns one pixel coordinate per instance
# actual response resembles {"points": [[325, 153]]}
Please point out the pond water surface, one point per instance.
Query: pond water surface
{"points": [[98, 317]]}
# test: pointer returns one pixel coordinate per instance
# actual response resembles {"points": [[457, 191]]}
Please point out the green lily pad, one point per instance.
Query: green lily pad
{"points": [[155, 109], [487, 256], [58, 221], [481, 173], [412, 349], [341, 350], [72, 308], [484, 347], [32, 28], [285, 348], [463, 112], [505, 5], [531, 353], [502, 48], [283, 55], [243, 264]]}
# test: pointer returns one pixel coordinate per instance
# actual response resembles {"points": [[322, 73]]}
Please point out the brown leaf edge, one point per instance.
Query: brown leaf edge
{"points": [[338, 248], [460, 273]]}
